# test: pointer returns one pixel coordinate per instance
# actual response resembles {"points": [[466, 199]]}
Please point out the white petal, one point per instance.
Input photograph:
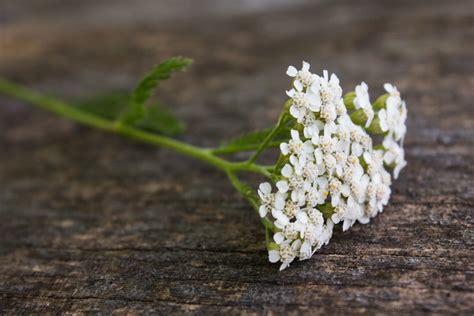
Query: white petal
{"points": [[287, 171], [302, 217], [284, 149], [279, 238], [329, 225], [282, 186], [345, 190], [302, 161], [279, 225], [282, 220], [322, 182], [276, 213], [298, 167], [357, 149], [284, 265], [369, 120], [388, 158], [308, 147], [314, 102], [279, 201], [274, 256], [364, 219], [383, 121], [325, 74], [398, 168], [291, 71], [262, 210], [265, 187], [388, 87], [320, 124], [294, 112], [293, 160], [315, 88], [318, 154], [295, 135], [335, 218], [296, 245], [298, 85], [367, 157], [294, 196], [346, 225], [305, 251], [305, 66]]}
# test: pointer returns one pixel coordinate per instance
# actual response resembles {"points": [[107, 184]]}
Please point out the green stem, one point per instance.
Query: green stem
{"points": [[250, 147], [117, 127], [268, 139], [92, 120], [244, 190]]}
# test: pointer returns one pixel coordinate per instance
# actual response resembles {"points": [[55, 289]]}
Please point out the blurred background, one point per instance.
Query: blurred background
{"points": [[92, 222], [241, 50]]}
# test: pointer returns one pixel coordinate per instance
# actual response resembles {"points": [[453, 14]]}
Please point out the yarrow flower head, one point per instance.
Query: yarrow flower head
{"points": [[331, 171]]}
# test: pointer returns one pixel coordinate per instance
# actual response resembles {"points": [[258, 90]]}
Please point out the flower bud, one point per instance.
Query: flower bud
{"points": [[374, 128], [380, 103], [349, 100], [359, 117]]}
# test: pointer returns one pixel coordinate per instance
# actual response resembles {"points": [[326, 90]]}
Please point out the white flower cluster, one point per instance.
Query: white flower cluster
{"points": [[392, 121], [333, 174]]}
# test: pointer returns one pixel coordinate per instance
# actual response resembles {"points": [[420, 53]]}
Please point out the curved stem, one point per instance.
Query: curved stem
{"points": [[268, 139], [117, 127], [247, 193], [70, 112], [251, 147]]}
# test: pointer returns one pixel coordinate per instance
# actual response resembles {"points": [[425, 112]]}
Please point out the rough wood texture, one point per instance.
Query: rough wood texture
{"points": [[94, 223]]}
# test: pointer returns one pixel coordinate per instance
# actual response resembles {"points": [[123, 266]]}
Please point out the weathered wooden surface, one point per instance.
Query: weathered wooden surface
{"points": [[94, 223]]}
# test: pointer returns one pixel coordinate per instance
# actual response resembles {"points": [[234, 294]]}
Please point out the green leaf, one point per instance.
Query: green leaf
{"points": [[252, 140], [160, 72], [106, 105], [110, 105], [161, 120], [136, 105]]}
